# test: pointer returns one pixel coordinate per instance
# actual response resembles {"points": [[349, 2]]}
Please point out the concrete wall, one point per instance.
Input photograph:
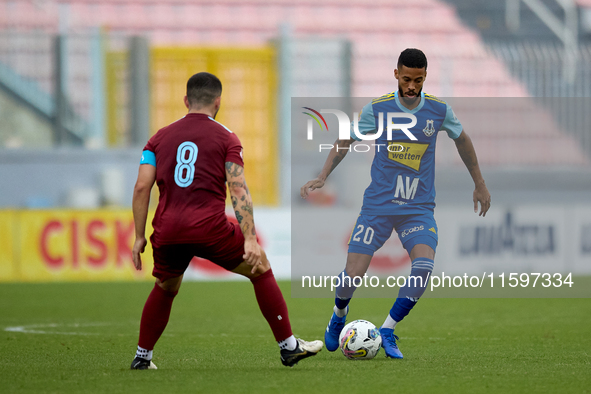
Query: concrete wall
{"points": [[86, 178], [67, 177]]}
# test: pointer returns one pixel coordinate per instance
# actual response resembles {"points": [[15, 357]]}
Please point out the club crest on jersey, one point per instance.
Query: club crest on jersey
{"points": [[429, 129]]}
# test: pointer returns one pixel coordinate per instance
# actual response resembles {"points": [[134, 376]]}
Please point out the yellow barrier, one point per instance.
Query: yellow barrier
{"points": [[116, 64], [68, 245], [248, 102], [8, 260]]}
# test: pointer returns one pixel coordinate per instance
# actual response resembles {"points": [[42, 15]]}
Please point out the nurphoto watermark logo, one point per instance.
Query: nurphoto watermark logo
{"points": [[345, 127]]}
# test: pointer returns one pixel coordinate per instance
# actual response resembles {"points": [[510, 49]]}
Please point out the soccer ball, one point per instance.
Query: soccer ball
{"points": [[360, 340]]}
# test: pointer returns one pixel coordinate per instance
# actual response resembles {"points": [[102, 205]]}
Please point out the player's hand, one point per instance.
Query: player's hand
{"points": [[252, 253], [482, 196], [138, 247], [311, 185]]}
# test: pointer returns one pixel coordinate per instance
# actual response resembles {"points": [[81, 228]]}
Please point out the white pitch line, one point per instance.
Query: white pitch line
{"points": [[26, 331], [33, 328], [40, 329]]}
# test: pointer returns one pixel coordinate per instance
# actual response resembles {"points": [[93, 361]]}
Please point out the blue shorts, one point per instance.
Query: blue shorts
{"points": [[370, 232]]}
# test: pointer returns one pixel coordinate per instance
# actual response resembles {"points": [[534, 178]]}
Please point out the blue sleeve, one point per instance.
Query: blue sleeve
{"points": [[148, 157], [451, 124], [367, 122]]}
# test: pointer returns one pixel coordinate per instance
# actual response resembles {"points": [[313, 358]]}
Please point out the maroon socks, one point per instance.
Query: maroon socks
{"points": [[272, 305], [155, 316]]}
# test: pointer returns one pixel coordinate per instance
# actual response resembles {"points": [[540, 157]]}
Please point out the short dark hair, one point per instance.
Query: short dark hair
{"points": [[203, 88], [412, 58]]}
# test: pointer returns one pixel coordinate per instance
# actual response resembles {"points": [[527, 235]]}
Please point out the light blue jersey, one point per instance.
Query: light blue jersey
{"points": [[403, 170]]}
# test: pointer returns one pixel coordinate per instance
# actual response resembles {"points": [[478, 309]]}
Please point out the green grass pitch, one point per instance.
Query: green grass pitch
{"points": [[217, 341]]}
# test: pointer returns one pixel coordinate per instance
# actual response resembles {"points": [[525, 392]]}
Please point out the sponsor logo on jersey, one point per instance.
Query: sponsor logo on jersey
{"points": [[409, 192], [429, 129], [399, 202], [411, 230], [408, 154], [433, 230]]}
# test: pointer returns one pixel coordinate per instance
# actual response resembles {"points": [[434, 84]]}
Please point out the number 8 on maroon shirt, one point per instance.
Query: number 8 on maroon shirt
{"points": [[190, 156]]}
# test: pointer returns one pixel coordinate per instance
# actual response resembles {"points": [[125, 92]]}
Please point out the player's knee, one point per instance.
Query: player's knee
{"points": [[245, 269], [172, 284], [260, 270], [422, 246], [263, 267], [354, 272], [357, 264]]}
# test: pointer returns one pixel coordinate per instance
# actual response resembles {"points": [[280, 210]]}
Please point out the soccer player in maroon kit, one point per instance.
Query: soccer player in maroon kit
{"points": [[191, 160]]}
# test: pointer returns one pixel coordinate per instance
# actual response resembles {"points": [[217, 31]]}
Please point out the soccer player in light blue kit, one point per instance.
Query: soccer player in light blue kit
{"points": [[401, 194]]}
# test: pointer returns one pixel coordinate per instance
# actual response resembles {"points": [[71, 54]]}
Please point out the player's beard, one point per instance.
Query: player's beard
{"points": [[409, 100], [216, 113]]}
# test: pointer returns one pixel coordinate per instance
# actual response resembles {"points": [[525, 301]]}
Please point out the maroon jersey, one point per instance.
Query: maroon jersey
{"points": [[190, 156]]}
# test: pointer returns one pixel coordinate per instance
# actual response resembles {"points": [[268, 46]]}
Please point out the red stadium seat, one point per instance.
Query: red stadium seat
{"points": [[459, 63]]}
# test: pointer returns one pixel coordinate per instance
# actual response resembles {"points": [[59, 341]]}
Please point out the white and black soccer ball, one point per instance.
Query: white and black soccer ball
{"points": [[360, 340]]}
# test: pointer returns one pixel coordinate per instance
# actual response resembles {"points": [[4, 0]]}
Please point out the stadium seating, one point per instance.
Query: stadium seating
{"points": [[460, 64], [377, 32]]}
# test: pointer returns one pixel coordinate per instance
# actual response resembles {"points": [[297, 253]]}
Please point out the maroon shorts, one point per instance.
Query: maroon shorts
{"points": [[172, 260]]}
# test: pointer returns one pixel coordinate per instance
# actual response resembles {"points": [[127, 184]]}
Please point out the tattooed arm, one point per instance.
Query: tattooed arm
{"points": [[468, 155], [335, 156], [242, 204]]}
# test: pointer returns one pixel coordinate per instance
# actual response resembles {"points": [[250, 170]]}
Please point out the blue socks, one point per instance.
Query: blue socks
{"points": [[401, 308], [341, 303], [409, 295], [344, 291]]}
